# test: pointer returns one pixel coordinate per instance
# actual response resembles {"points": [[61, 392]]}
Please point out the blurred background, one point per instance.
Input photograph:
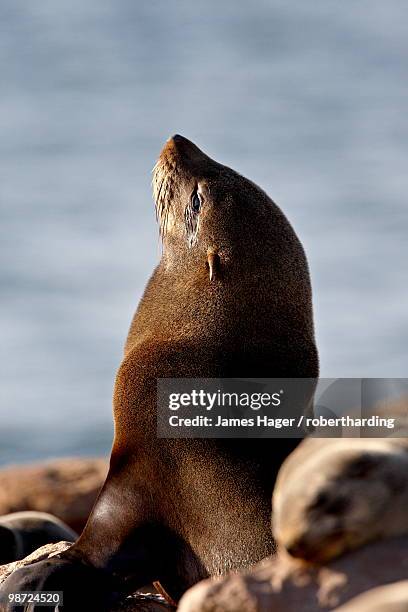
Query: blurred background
{"points": [[307, 99]]}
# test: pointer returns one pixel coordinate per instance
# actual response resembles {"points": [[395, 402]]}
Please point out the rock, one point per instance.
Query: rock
{"points": [[284, 584], [49, 550], [66, 488], [146, 602], [390, 598]]}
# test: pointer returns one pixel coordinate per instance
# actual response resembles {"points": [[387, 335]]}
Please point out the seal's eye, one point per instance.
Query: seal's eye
{"points": [[191, 216], [196, 202]]}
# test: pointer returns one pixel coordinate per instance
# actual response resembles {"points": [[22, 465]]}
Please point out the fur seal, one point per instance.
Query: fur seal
{"points": [[21, 533], [231, 296], [334, 495]]}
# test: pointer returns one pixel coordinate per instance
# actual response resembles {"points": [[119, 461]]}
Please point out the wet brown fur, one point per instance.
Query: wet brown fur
{"points": [[179, 510]]}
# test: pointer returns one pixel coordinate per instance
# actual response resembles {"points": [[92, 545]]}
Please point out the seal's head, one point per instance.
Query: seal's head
{"points": [[334, 495], [207, 212], [232, 268]]}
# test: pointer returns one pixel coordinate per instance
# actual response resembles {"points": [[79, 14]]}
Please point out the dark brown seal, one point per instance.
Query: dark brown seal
{"points": [[23, 532], [231, 296]]}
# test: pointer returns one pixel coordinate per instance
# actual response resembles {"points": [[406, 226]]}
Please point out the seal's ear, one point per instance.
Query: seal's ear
{"points": [[213, 261], [8, 545]]}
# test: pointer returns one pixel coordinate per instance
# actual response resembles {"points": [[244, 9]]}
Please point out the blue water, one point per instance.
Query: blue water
{"points": [[307, 99]]}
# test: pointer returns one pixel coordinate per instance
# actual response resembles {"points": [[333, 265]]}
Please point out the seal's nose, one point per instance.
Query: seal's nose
{"points": [[182, 150], [180, 143], [174, 148], [178, 138]]}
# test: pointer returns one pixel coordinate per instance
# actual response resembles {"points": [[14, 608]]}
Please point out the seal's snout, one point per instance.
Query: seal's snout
{"points": [[178, 139], [180, 145], [177, 144], [182, 151], [175, 151]]}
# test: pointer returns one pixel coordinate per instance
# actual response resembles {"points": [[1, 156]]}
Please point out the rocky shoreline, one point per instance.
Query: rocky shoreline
{"points": [[67, 488]]}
